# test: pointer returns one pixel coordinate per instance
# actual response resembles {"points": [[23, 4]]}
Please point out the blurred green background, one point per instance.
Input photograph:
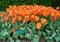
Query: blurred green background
{"points": [[5, 3]]}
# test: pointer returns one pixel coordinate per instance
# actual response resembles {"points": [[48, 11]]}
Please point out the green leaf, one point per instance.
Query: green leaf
{"points": [[18, 40], [21, 23], [15, 35], [44, 26], [29, 36], [57, 31], [9, 25], [48, 32], [3, 25], [9, 30], [1, 36], [11, 40], [32, 25], [57, 38], [21, 35], [49, 40], [58, 26], [29, 30], [15, 25], [35, 39], [5, 33], [48, 37], [58, 20], [39, 33], [44, 34], [54, 34], [52, 27], [25, 25]]}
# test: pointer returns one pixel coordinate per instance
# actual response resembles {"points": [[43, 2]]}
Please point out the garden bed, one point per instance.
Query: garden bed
{"points": [[30, 23]]}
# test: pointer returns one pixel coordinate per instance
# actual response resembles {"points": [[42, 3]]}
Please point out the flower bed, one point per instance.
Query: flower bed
{"points": [[31, 22]]}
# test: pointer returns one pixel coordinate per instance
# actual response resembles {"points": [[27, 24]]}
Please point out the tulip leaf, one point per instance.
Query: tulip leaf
{"points": [[1, 36], [11, 40], [18, 40], [32, 25], [35, 39], [49, 40], [48, 32], [54, 34], [57, 38], [29, 36], [15, 35], [30, 30]]}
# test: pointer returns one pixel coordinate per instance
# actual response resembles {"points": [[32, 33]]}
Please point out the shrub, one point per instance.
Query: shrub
{"points": [[5, 3]]}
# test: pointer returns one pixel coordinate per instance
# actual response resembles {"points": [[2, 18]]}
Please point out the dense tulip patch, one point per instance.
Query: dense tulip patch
{"points": [[28, 19]]}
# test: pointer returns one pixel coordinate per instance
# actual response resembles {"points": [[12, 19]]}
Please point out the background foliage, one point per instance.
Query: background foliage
{"points": [[5, 3]]}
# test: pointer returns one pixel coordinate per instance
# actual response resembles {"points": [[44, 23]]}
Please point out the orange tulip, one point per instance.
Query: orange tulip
{"points": [[59, 15], [7, 18], [19, 18], [32, 11], [32, 17], [26, 19], [52, 14], [3, 15], [13, 19], [10, 7], [44, 21], [38, 25], [14, 30], [11, 14], [36, 18], [13, 22], [55, 17], [45, 13]]}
